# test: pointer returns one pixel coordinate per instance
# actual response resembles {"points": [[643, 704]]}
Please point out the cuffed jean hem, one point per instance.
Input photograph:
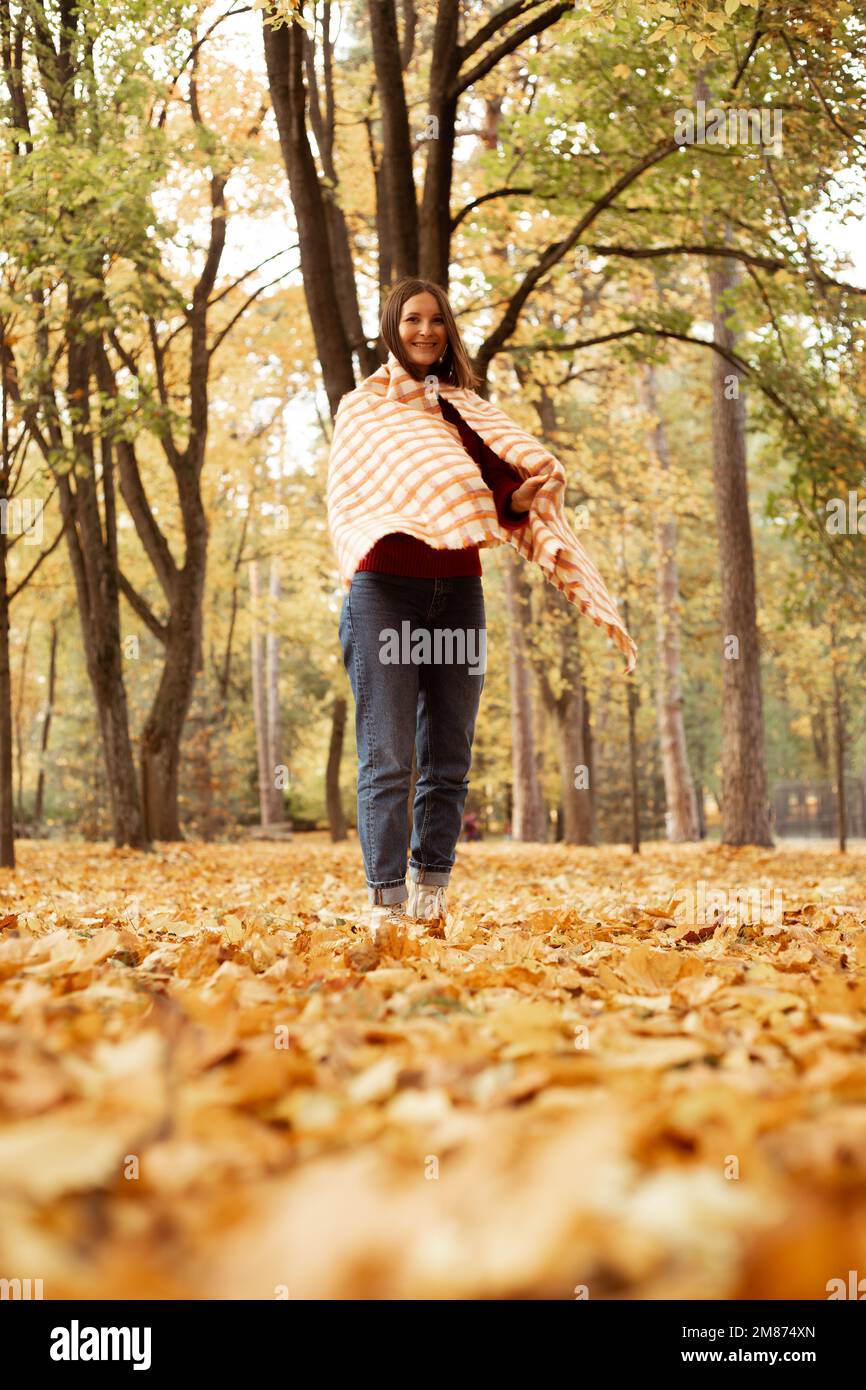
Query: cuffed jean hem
{"points": [[438, 877], [388, 893]]}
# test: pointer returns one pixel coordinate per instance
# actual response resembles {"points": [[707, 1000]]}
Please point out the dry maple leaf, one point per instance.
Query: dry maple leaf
{"points": [[530, 1097]]}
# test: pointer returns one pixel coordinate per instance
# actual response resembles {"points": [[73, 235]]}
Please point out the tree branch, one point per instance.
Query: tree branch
{"points": [[747, 257], [137, 603], [22, 583], [155, 544], [644, 330], [486, 198], [557, 250], [493, 26], [756, 39], [489, 61], [247, 273], [242, 310]]}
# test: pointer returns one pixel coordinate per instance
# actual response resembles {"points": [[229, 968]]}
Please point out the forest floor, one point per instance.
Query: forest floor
{"points": [[212, 1086]]}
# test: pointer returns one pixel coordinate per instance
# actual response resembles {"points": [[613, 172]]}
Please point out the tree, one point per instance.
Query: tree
{"points": [[679, 785], [529, 821], [746, 805]]}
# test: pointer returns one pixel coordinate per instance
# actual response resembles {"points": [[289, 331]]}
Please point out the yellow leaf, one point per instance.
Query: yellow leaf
{"points": [[233, 930]]}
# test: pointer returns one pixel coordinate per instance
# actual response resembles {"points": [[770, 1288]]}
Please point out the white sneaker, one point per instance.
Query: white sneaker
{"points": [[384, 915], [427, 901]]}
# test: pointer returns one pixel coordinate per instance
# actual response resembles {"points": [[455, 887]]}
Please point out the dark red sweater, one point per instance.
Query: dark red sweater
{"points": [[398, 553]]}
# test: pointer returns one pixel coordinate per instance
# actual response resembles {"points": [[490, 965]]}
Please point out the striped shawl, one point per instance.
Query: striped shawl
{"points": [[396, 464]]}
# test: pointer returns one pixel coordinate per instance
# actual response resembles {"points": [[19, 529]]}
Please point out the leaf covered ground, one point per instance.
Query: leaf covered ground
{"points": [[212, 1086]]}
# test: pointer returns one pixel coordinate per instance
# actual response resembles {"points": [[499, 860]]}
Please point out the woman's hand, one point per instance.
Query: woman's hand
{"points": [[522, 499]]}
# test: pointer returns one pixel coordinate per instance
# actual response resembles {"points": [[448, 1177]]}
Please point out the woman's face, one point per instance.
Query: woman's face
{"points": [[422, 331]]}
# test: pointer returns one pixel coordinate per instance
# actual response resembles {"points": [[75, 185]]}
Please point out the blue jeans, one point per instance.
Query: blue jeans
{"points": [[415, 651]]}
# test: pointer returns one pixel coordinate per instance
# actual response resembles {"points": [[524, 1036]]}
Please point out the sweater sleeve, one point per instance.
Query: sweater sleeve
{"points": [[499, 476]]}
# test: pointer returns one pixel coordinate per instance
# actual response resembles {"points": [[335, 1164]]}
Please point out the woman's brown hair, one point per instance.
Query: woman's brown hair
{"points": [[455, 368]]}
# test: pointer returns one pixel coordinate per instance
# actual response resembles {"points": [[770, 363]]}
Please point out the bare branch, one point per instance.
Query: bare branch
{"points": [[486, 198], [242, 310], [247, 273], [22, 583], [750, 51], [489, 61], [559, 249], [849, 135], [493, 26], [191, 56], [747, 257], [137, 603], [642, 330], [149, 533]]}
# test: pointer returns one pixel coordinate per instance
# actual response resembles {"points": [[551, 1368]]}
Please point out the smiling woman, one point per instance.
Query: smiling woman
{"points": [[422, 329], [416, 487], [419, 326]]}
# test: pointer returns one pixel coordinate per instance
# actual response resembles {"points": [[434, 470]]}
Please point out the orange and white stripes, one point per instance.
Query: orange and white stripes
{"points": [[397, 465]]}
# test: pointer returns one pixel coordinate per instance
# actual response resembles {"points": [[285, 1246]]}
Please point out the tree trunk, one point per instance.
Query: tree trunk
{"points": [[631, 696], [91, 537], [435, 239], [260, 704], [680, 796], [569, 706], [182, 585], [19, 724], [163, 729], [336, 815], [839, 738], [284, 58], [93, 556], [275, 736], [578, 810], [745, 805], [570, 712], [323, 128], [160, 742], [528, 814], [631, 706], [46, 726], [7, 828], [401, 207]]}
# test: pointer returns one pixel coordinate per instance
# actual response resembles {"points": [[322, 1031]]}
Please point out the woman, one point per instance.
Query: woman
{"points": [[415, 489]]}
